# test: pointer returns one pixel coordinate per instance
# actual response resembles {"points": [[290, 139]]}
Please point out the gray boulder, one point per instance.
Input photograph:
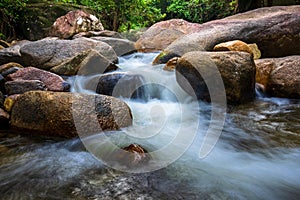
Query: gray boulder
{"points": [[51, 52]]}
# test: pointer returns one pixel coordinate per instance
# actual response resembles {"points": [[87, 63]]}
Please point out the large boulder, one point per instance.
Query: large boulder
{"points": [[275, 30], [280, 76], [52, 81], [86, 63], [67, 115], [162, 34], [202, 74], [120, 84], [75, 22], [121, 46], [12, 54], [51, 52]]}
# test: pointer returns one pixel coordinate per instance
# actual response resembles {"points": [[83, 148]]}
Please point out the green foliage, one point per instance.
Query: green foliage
{"points": [[10, 12], [200, 10]]}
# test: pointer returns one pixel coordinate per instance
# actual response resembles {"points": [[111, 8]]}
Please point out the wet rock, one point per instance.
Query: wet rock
{"points": [[9, 68], [130, 156], [261, 26], [121, 46], [171, 64], [120, 84], [75, 22], [4, 119], [9, 102], [196, 71], [49, 53], [238, 45], [280, 76], [4, 44], [104, 33], [62, 114], [52, 81], [22, 86], [162, 34], [85, 63]]}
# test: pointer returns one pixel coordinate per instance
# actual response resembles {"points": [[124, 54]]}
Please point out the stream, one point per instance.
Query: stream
{"points": [[256, 157]]}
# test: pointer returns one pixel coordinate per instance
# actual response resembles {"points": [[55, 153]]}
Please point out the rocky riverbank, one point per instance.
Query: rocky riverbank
{"points": [[35, 98]]}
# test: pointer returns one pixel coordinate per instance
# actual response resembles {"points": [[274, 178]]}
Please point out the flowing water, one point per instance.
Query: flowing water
{"points": [[256, 157]]}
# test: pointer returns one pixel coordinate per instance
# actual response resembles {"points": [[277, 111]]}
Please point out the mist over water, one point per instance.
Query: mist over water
{"points": [[256, 157]]}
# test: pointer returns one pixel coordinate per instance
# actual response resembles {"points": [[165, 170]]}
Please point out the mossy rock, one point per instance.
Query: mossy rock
{"points": [[40, 16]]}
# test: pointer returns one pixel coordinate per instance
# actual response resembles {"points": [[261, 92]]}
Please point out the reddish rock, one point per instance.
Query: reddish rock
{"points": [[171, 64], [275, 30], [75, 22], [22, 86], [52, 81], [280, 76], [162, 34]]}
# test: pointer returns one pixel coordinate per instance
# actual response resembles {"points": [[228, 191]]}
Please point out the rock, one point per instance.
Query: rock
{"points": [[8, 66], [198, 71], [86, 63], [130, 156], [4, 119], [120, 84], [52, 81], [49, 53], [264, 67], [121, 46], [280, 76], [262, 26], [62, 114], [1, 100], [162, 34], [9, 71], [11, 54], [171, 64], [4, 44], [22, 86], [75, 22], [255, 51], [40, 15], [9, 102], [104, 33], [238, 45]]}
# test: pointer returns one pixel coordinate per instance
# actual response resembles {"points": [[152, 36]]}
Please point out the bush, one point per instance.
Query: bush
{"points": [[10, 12]]}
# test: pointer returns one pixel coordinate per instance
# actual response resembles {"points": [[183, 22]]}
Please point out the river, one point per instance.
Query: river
{"points": [[256, 157]]}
